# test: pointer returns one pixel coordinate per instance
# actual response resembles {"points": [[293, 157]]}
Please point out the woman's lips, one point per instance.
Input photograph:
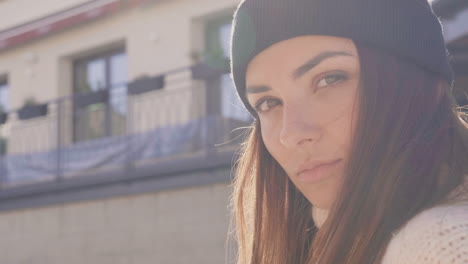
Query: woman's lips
{"points": [[317, 173]]}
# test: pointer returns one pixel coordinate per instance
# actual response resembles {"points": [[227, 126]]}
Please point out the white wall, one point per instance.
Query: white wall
{"points": [[14, 12], [172, 227]]}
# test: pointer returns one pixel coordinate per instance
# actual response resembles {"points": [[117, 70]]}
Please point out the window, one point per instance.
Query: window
{"points": [[4, 95], [218, 32], [4, 108], [103, 72]]}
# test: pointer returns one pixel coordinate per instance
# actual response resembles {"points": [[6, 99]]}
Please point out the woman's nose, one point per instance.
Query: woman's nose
{"points": [[298, 127]]}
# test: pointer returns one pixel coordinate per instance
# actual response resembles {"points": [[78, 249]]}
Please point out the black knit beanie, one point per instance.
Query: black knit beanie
{"points": [[406, 28]]}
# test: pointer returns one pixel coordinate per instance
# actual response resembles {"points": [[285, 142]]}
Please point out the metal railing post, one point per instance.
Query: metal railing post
{"points": [[59, 141], [128, 122]]}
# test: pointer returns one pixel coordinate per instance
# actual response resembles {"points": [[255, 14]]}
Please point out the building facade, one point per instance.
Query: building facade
{"points": [[118, 131], [454, 17]]}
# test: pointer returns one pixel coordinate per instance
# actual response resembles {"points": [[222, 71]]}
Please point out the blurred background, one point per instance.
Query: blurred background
{"points": [[119, 126]]}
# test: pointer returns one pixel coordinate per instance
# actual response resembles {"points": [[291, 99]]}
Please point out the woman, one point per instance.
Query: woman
{"points": [[358, 152]]}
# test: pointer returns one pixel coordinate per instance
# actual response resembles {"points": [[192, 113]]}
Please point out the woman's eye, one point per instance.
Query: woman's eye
{"points": [[331, 79], [265, 105]]}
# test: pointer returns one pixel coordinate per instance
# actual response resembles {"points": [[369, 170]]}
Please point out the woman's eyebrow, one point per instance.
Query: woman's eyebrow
{"points": [[301, 70], [310, 64], [258, 89]]}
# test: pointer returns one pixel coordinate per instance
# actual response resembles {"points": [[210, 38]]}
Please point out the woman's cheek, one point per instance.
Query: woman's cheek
{"points": [[266, 134], [270, 135]]}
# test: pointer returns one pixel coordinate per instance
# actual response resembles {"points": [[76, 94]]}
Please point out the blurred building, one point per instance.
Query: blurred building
{"points": [[118, 131], [454, 17]]}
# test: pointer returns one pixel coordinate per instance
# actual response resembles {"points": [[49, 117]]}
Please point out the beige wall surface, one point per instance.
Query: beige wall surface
{"points": [[179, 226], [15, 12]]}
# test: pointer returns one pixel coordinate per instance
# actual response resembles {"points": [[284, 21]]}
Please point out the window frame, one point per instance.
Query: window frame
{"points": [[106, 55]]}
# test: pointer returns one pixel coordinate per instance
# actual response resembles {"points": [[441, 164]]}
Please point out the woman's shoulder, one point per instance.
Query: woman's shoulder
{"points": [[435, 235], [439, 220]]}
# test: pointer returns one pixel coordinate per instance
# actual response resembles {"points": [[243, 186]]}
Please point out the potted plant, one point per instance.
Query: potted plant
{"points": [[214, 63], [3, 115], [31, 109], [87, 97], [145, 84]]}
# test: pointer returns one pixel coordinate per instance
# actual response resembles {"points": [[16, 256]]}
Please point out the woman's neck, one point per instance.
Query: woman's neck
{"points": [[319, 215]]}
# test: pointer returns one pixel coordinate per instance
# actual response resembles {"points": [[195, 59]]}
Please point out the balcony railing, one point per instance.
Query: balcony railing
{"points": [[123, 127]]}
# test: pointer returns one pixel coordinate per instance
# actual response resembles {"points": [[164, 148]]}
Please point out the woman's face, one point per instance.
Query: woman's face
{"points": [[305, 93]]}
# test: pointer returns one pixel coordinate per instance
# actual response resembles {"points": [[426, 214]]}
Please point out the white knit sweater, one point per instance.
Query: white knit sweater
{"points": [[438, 235]]}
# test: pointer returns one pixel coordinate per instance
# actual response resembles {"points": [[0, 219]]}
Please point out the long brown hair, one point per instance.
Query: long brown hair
{"points": [[409, 151]]}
